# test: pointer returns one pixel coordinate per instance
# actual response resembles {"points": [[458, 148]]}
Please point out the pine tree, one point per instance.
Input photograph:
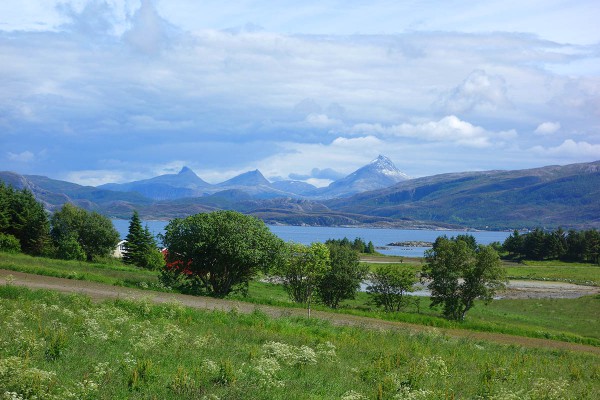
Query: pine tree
{"points": [[140, 246]]}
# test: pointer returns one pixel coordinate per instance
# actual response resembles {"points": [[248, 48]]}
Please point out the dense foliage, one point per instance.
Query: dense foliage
{"points": [[80, 234], [140, 246], [219, 252], [389, 285], [343, 276], [25, 219], [358, 244], [582, 246], [303, 269], [461, 272]]}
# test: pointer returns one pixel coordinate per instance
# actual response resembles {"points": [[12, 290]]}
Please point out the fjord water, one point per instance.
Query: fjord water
{"points": [[379, 237]]}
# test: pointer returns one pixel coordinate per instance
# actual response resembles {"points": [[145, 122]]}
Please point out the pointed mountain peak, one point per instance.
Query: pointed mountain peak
{"points": [[185, 170], [249, 178], [378, 174], [385, 166]]}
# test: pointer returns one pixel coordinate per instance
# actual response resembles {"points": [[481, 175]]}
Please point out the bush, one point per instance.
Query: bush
{"points": [[9, 243]]}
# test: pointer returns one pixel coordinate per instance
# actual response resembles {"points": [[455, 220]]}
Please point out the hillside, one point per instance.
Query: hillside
{"points": [[548, 197]]}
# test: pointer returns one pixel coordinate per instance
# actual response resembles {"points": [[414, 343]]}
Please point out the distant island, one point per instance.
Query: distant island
{"points": [[415, 243]]}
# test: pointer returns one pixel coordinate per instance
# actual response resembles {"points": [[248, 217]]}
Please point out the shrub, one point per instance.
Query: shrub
{"points": [[9, 243]]}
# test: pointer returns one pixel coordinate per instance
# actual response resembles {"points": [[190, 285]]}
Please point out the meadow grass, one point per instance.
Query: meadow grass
{"points": [[572, 320], [59, 346], [579, 273], [110, 272]]}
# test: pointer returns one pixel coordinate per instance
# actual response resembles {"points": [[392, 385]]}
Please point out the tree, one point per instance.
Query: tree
{"points": [[460, 274], [93, 233], [514, 244], [222, 250], [24, 218], [342, 279], [303, 269], [534, 245], [140, 246], [389, 285]]}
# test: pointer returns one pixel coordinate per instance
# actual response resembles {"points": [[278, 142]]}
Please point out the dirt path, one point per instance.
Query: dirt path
{"points": [[98, 292]]}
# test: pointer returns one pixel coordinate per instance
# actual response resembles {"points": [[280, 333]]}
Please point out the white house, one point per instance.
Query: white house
{"points": [[120, 249]]}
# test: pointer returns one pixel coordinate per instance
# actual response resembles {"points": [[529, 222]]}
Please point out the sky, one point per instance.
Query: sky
{"points": [[105, 91]]}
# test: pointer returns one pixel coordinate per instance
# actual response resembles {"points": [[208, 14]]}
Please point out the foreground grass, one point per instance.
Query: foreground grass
{"points": [[60, 347], [571, 320]]}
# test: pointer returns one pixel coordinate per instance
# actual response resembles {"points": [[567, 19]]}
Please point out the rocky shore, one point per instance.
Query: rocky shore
{"points": [[415, 243]]}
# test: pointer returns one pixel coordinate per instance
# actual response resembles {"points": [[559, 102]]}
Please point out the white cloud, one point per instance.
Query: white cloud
{"points": [[343, 154], [95, 177], [23, 157], [228, 99], [322, 121], [570, 148], [479, 91], [448, 129], [547, 128]]}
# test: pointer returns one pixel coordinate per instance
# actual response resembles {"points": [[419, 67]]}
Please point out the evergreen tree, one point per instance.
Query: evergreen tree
{"points": [[24, 218], [140, 246]]}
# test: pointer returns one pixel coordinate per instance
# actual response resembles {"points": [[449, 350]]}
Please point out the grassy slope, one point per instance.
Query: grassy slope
{"points": [[563, 319], [67, 347]]}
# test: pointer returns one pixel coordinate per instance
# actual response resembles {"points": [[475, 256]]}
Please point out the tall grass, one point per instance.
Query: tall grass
{"points": [[64, 346]]}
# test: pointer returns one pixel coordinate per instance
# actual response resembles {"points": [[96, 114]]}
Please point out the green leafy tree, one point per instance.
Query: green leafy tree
{"points": [[303, 269], [140, 246], [68, 248], [219, 252], [342, 279], [94, 233], [389, 285], [460, 274]]}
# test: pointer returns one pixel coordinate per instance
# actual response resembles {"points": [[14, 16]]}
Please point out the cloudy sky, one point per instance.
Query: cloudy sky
{"points": [[104, 91]]}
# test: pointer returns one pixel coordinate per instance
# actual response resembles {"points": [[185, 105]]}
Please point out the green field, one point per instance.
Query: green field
{"points": [[587, 274], [66, 347], [112, 272], [572, 320]]}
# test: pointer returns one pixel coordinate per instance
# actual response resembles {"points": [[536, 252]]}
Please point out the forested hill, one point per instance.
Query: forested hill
{"points": [[567, 196]]}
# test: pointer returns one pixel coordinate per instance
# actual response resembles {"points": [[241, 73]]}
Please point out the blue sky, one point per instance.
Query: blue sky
{"points": [[112, 91]]}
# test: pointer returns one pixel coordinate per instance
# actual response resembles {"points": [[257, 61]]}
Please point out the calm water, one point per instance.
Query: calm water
{"points": [[379, 237]]}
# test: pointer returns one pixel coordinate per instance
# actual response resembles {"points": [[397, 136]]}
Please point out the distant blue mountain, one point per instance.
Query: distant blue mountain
{"points": [[163, 187]]}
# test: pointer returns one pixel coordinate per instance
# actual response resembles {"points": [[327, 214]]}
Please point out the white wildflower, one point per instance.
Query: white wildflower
{"points": [[352, 395], [326, 350], [406, 393], [266, 369], [210, 366]]}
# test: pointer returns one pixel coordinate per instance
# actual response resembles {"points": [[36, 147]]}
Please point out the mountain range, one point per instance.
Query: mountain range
{"points": [[377, 194], [379, 173]]}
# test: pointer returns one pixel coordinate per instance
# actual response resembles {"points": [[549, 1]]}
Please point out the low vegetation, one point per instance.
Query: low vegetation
{"points": [[569, 320], [66, 347]]}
